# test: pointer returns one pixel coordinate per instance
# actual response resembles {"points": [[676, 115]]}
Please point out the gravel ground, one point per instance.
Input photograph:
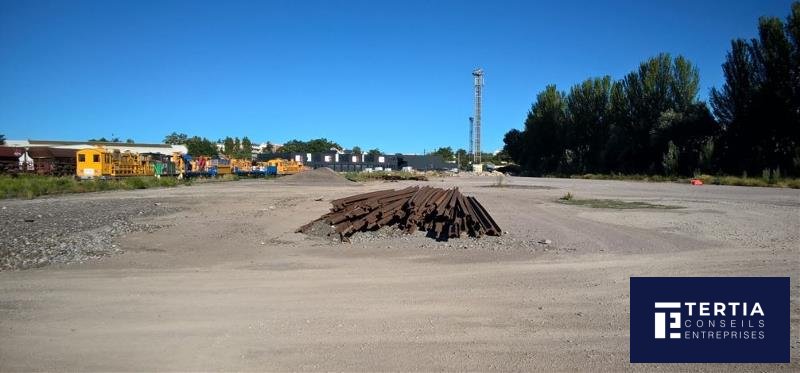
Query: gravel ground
{"points": [[69, 230], [226, 285]]}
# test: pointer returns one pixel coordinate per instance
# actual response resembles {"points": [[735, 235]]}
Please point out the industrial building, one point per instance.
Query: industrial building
{"points": [[346, 162], [164, 149], [340, 162]]}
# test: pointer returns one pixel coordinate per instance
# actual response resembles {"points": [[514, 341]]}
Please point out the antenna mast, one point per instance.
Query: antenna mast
{"points": [[471, 142], [475, 128]]}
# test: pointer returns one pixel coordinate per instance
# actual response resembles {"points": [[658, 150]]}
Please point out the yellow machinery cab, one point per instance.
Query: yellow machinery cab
{"points": [[93, 162], [99, 162]]}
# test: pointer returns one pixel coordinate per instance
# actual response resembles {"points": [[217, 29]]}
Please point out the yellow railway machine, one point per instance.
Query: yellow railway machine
{"points": [[99, 162], [285, 167]]}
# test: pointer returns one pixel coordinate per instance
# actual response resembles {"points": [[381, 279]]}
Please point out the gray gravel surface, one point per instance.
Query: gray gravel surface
{"points": [[226, 284], [69, 230]]}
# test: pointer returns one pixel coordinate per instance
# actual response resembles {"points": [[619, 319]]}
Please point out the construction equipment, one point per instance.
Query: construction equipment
{"points": [[241, 165], [284, 166], [442, 213]]}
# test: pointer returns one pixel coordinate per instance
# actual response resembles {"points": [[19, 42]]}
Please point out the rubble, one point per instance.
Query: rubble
{"points": [[442, 213], [70, 229]]}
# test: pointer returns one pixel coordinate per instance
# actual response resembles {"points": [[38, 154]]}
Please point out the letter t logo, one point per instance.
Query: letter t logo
{"points": [[661, 320]]}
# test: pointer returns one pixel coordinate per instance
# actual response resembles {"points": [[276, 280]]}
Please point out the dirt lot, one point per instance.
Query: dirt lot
{"points": [[221, 282]]}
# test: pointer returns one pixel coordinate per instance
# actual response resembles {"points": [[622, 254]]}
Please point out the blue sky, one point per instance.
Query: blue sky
{"points": [[389, 74]]}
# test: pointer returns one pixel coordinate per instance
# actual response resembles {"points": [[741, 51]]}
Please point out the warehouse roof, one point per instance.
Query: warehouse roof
{"points": [[137, 148]]}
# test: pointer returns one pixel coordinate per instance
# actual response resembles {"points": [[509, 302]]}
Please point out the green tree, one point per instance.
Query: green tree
{"points": [[462, 158], [311, 146], [514, 146], [175, 138], [198, 146], [228, 146], [2, 139], [446, 153], [686, 135], [617, 156], [374, 151], [759, 104], [670, 161], [246, 148], [587, 126], [356, 150], [130, 141], [543, 135], [659, 85], [622, 126]]}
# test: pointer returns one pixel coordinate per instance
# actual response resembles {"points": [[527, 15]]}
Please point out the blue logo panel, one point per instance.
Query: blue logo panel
{"points": [[709, 319]]}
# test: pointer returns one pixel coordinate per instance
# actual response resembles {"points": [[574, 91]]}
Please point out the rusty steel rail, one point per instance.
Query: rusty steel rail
{"points": [[442, 213]]}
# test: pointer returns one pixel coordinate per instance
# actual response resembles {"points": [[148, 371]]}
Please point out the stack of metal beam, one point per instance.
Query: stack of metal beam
{"points": [[442, 213]]}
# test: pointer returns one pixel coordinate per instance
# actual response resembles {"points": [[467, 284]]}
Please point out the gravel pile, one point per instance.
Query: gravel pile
{"points": [[321, 176], [40, 232]]}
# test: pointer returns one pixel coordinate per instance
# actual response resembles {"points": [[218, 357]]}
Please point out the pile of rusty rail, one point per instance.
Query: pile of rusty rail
{"points": [[442, 213]]}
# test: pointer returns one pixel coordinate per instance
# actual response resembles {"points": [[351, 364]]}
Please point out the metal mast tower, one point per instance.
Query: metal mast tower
{"points": [[471, 143], [477, 74]]}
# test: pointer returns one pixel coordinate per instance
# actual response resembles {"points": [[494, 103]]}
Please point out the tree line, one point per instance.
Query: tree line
{"points": [[235, 147], [651, 121], [232, 147]]}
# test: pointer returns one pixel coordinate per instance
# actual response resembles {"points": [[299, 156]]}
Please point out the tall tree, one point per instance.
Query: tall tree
{"points": [[733, 107], [513, 144], [684, 85], [587, 127], [660, 85], [247, 148], [759, 104], [2, 139], [461, 157], [198, 146], [544, 132], [311, 146], [175, 138], [228, 146], [622, 126], [617, 155], [446, 153]]}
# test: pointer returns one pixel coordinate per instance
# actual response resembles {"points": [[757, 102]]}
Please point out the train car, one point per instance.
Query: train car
{"points": [[53, 161], [9, 159], [284, 167], [241, 165], [157, 164], [93, 162], [201, 166], [101, 163]]}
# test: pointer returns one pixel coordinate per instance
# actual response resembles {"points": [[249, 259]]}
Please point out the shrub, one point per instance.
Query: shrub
{"points": [[31, 186]]}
